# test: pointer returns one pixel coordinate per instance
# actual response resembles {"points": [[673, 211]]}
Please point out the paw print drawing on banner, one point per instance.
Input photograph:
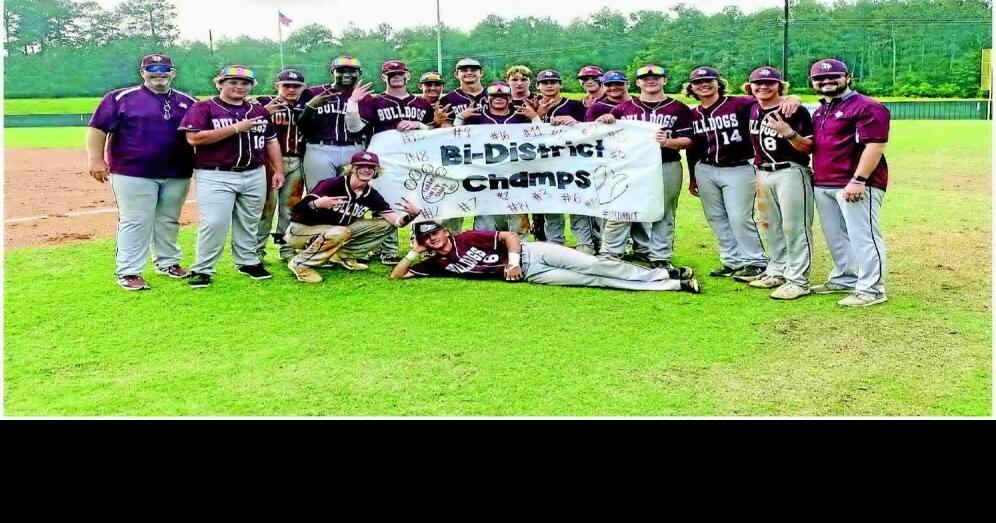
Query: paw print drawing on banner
{"points": [[435, 184], [609, 184]]}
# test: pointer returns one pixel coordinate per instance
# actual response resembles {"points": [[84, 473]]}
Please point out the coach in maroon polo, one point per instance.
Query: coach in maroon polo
{"points": [[149, 165], [849, 182]]}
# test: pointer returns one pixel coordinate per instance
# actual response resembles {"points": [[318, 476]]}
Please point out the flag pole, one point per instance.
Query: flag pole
{"points": [[280, 37]]}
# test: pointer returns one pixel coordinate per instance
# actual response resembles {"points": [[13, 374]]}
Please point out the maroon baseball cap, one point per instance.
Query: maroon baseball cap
{"points": [[365, 158], [394, 66], [703, 73], [762, 74], [828, 67], [156, 59], [547, 75], [590, 70]]}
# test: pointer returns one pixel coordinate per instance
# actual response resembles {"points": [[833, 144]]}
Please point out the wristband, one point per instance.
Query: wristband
{"points": [[513, 259], [791, 136], [412, 256], [406, 219], [858, 181]]}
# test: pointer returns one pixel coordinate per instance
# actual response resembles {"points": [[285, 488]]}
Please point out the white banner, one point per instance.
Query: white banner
{"points": [[606, 170]]}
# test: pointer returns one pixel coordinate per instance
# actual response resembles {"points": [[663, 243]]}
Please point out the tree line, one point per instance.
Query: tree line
{"points": [[928, 48]]}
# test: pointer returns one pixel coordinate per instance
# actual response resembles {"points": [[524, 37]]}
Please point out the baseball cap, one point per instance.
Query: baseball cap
{"points": [[365, 158], [590, 70], [499, 89], [468, 62], [290, 76], [765, 73], [547, 75], [431, 77], [236, 71], [344, 61], [703, 73], [394, 66], [423, 229], [156, 59], [828, 67], [651, 70], [614, 75]]}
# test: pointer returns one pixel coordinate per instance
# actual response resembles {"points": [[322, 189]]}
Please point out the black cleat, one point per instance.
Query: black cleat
{"points": [[256, 272], [723, 272], [749, 273], [199, 280], [691, 285]]}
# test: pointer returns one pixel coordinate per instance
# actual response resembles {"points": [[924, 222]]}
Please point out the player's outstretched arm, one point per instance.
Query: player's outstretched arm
{"points": [[400, 271]]}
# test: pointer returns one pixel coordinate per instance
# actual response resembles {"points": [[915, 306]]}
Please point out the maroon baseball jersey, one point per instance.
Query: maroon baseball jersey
{"points": [[672, 115], [721, 131], [285, 125], [599, 108], [769, 146], [573, 108], [459, 100], [327, 123], [242, 150], [143, 126], [517, 104], [487, 117], [356, 205], [841, 129], [474, 254], [384, 112]]}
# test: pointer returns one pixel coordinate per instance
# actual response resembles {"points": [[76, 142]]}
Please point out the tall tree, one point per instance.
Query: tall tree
{"points": [[150, 19]]}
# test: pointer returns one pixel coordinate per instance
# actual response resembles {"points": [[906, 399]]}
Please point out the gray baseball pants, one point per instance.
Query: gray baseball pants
{"points": [[854, 237], [655, 239], [502, 222], [148, 216], [785, 206], [280, 202], [228, 199], [322, 162], [553, 226], [727, 195], [554, 264]]}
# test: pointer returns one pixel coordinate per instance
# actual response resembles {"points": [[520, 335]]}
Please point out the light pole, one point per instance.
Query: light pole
{"points": [[785, 44], [439, 41]]}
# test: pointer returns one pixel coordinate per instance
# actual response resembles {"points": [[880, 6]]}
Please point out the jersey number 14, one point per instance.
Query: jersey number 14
{"points": [[731, 137]]}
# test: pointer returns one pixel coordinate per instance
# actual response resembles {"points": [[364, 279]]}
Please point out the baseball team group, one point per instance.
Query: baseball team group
{"points": [[300, 157]]}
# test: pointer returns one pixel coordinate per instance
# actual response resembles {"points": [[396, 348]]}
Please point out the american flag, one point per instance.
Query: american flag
{"points": [[282, 18]]}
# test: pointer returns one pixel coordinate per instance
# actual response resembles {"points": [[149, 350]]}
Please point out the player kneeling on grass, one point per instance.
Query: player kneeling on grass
{"points": [[327, 225], [500, 255]]}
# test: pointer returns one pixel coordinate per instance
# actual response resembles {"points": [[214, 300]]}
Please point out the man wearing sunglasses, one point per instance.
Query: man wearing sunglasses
{"points": [[284, 112], [232, 138], [394, 109], [590, 77], [558, 110], [675, 119], [149, 164], [470, 93], [850, 178], [323, 122]]}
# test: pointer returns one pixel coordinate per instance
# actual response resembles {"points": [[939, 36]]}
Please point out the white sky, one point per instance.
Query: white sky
{"points": [[229, 18]]}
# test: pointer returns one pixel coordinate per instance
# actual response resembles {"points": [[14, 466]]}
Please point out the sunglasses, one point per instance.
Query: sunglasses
{"points": [[345, 61], [468, 68], [158, 68], [433, 84], [498, 90], [590, 77], [615, 84], [647, 70], [827, 77], [345, 69]]}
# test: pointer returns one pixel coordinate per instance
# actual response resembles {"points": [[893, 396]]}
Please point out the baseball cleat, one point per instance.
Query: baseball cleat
{"points": [[256, 272], [861, 300], [749, 273], [680, 273], [389, 259], [691, 285], [132, 282], [304, 273], [173, 271], [830, 288], [350, 263], [662, 264], [789, 291], [587, 249], [723, 272], [767, 282], [199, 280]]}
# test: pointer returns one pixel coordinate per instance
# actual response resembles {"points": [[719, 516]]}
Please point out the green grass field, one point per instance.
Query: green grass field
{"points": [[360, 344]]}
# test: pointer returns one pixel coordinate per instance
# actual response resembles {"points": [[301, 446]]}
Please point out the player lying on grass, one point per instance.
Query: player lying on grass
{"points": [[500, 255]]}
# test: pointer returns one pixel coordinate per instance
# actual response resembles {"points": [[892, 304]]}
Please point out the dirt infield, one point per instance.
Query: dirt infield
{"points": [[49, 199]]}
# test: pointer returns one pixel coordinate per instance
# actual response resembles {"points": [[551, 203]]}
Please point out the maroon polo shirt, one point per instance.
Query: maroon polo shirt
{"points": [[474, 254], [670, 114], [243, 150], [384, 112], [841, 128], [721, 132], [769, 146], [143, 126]]}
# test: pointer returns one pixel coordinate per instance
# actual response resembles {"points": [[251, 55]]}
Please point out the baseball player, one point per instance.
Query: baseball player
{"points": [[616, 86], [470, 93], [557, 110], [149, 166], [329, 144], [720, 172], [328, 224], [231, 137], [675, 120], [781, 156], [850, 178], [284, 111], [431, 85], [519, 78], [590, 78], [500, 255], [394, 109]]}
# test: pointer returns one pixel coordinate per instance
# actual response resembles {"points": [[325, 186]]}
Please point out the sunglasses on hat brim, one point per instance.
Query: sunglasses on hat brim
{"points": [[651, 70]]}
